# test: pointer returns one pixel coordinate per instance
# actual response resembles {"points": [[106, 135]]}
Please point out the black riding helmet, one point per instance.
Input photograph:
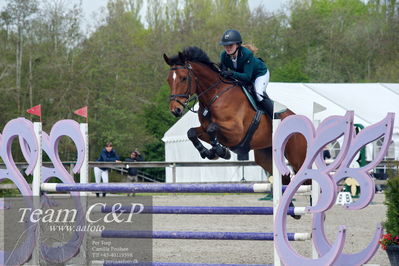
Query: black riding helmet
{"points": [[230, 37]]}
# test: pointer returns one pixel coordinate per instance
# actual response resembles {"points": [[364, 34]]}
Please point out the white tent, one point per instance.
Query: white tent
{"points": [[370, 101]]}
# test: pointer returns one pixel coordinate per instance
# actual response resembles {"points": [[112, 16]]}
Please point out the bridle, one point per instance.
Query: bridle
{"points": [[189, 92]]}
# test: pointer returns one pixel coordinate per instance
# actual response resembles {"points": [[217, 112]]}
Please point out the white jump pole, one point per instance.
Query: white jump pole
{"points": [[316, 108], [37, 172], [84, 178], [84, 170], [277, 179], [277, 183], [37, 179]]}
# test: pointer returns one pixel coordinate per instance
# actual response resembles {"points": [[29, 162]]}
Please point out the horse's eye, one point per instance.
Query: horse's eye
{"points": [[183, 78]]}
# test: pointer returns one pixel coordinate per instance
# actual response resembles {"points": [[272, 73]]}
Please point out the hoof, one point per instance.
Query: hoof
{"points": [[204, 154], [223, 152], [227, 155], [214, 158], [296, 217], [212, 155]]}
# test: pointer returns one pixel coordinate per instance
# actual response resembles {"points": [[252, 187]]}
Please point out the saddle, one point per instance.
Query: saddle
{"points": [[249, 91]]}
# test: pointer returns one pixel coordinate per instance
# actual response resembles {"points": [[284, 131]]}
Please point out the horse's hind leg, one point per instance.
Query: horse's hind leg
{"points": [[296, 148], [264, 158], [221, 151]]}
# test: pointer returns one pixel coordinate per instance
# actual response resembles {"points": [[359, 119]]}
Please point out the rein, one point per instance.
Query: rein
{"points": [[188, 93]]}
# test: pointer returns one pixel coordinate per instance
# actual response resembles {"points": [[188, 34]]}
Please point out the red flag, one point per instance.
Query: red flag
{"points": [[81, 112], [35, 110]]}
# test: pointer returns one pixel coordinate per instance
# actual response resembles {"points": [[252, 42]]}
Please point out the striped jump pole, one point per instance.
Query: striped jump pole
{"points": [[130, 263], [164, 188], [196, 235], [208, 210], [280, 235]]}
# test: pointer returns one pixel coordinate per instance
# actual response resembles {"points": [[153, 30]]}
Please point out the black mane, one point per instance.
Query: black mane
{"points": [[193, 54]]}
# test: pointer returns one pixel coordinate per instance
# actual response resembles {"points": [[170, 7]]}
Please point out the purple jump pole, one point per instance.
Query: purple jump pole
{"points": [[195, 235], [130, 263], [163, 188], [159, 188], [198, 210]]}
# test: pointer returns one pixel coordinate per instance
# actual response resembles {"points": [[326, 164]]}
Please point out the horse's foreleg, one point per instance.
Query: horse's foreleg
{"points": [[193, 134], [220, 150]]}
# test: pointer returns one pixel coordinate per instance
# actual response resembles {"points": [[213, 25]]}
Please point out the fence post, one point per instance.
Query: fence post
{"points": [[277, 183], [84, 170], [173, 173], [37, 180]]}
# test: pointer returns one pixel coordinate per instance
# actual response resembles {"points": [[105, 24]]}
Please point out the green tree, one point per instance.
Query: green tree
{"points": [[157, 120], [118, 70]]}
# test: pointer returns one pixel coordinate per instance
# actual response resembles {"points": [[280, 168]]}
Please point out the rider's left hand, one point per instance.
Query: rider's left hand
{"points": [[227, 73]]}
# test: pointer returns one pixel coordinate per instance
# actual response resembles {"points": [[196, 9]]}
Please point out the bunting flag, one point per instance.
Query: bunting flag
{"points": [[35, 110], [81, 112]]}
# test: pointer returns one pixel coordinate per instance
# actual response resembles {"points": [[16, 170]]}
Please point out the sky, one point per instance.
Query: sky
{"points": [[94, 6], [271, 5]]}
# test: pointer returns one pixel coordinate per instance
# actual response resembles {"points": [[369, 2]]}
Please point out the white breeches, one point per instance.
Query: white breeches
{"points": [[260, 85], [100, 174]]}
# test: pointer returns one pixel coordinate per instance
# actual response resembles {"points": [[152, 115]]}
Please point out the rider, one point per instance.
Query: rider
{"points": [[239, 62]]}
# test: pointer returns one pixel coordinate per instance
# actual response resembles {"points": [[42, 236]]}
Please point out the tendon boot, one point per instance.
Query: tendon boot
{"points": [[267, 106]]}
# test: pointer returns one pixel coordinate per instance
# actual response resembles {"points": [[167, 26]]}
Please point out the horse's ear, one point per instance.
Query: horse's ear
{"points": [[181, 56], [166, 58]]}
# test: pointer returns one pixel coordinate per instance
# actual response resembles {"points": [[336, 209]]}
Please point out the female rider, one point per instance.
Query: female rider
{"points": [[239, 62]]}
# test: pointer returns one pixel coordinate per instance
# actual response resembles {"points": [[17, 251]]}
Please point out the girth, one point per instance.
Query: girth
{"points": [[244, 146]]}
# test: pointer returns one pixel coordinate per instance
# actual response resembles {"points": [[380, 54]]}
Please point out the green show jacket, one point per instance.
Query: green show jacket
{"points": [[249, 67]]}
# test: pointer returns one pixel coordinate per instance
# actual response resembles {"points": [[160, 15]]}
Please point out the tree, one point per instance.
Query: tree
{"points": [[18, 15], [118, 69], [157, 120]]}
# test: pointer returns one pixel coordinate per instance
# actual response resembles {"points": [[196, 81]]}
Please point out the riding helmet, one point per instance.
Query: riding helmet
{"points": [[230, 37]]}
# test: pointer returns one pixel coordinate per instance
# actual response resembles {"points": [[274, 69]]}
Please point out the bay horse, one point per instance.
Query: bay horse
{"points": [[224, 112]]}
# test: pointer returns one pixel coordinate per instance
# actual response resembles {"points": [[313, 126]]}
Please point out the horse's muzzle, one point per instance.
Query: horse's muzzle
{"points": [[177, 112]]}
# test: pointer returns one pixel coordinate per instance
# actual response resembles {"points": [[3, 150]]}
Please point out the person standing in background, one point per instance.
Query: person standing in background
{"points": [[132, 172], [108, 154], [135, 156]]}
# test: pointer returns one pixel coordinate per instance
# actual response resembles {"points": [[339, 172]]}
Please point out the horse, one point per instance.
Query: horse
{"points": [[225, 114]]}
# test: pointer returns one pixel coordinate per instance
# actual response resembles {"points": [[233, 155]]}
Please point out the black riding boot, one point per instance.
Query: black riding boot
{"points": [[267, 106]]}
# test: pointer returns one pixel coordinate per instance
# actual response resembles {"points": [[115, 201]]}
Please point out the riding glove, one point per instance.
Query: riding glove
{"points": [[227, 73]]}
